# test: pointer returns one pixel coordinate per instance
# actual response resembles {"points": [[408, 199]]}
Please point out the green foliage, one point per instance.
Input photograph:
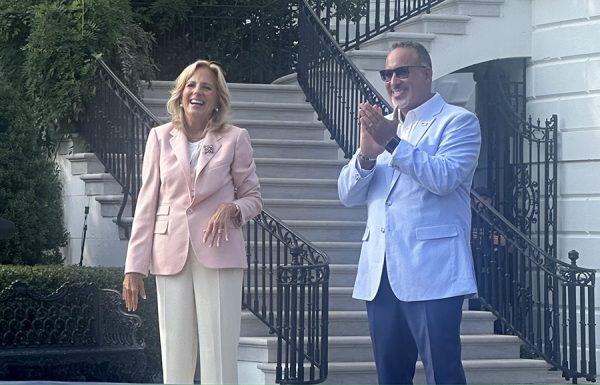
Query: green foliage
{"points": [[253, 40], [47, 47], [47, 69], [30, 194], [47, 279], [59, 65]]}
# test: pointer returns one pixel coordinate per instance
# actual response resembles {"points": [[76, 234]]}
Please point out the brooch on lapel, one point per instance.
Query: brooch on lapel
{"points": [[208, 149]]}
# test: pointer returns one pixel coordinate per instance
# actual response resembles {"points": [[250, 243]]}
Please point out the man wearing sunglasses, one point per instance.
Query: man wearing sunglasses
{"points": [[414, 171]]}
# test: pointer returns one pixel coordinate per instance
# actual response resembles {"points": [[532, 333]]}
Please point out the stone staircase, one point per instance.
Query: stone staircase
{"points": [[298, 166]]}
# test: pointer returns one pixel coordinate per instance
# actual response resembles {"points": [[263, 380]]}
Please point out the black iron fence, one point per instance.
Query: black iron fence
{"points": [[356, 21], [548, 303], [286, 284]]}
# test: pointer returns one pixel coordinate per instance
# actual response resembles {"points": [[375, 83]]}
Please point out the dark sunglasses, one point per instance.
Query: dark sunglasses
{"points": [[400, 72]]}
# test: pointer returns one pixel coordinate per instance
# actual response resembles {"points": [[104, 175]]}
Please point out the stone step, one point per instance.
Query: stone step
{"points": [[85, 163], [298, 188], [354, 323], [289, 129], [340, 275], [492, 371], [249, 110], [111, 204], [100, 184], [384, 41], [342, 253], [299, 168], [340, 297], [274, 111], [483, 8], [240, 92], [436, 23], [359, 348], [314, 209], [295, 149], [267, 93], [326, 230]]}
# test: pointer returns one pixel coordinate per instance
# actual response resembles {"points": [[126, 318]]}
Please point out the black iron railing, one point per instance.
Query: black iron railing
{"points": [[286, 284], [283, 263], [354, 22], [331, 82], [116, 129], [548, 303]]}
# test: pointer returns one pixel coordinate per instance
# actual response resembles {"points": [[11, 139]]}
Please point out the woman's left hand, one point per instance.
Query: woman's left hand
{"points": [[219, 222]]}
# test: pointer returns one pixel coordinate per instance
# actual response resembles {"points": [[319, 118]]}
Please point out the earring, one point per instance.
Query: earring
{"points": [[180, 105], [216, 109]]}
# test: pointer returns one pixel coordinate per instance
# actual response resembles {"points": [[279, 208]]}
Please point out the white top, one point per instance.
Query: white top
{"points": [[194, 149]]}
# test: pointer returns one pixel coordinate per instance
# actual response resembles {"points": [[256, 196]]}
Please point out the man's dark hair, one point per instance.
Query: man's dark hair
{"points": [[418, 47]]}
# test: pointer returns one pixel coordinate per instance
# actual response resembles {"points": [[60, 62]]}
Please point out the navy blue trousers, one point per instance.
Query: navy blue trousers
{"points": [[400, 331]]}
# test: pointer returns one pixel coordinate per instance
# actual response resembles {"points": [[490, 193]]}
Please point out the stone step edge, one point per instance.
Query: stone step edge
{"points": [[486, 364]]}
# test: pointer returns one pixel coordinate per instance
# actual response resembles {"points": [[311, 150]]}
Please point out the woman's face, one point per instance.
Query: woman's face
{"points": [[200, 97]]}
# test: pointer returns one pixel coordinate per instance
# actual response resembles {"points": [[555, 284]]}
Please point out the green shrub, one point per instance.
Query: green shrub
{"points": [[30, 193], [46, 279], [47, 64]]}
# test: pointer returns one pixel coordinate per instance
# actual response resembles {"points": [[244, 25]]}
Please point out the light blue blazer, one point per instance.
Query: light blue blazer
{"points": [[419, 215]]}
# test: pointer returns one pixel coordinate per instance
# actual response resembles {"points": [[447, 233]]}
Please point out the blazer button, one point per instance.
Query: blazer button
{"points": [[383, 229], [388, 203], [189, 211]]}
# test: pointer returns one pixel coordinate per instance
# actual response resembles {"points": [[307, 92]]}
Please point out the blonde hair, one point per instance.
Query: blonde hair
{"points": [[220, 117]]}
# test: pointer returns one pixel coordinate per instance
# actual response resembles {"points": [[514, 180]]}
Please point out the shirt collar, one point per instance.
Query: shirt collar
{"points": [[426, 110]]}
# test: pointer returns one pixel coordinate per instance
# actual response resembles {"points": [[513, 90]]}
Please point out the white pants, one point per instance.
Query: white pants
{"points": [[200, 306]]}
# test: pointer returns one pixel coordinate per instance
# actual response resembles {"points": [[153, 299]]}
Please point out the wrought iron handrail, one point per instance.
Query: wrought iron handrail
{"points": [[354, 22], [287, 283], [331, 82], [284, 263], [116, 129], [535, 296]]}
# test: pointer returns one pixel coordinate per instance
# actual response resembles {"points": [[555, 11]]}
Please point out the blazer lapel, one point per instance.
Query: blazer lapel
{"points": [[179, 145], [210, 146]]}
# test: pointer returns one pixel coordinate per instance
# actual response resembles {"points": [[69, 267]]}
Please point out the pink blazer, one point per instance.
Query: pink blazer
{"points": [[172, 210]]}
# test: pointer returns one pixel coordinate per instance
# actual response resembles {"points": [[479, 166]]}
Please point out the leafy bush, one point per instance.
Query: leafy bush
{"points": [[60, 80], [30, 194], [47, 279], [47, 64]]}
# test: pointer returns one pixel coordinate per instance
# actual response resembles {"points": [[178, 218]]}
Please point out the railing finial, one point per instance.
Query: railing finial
{"points": [[573, 256]]}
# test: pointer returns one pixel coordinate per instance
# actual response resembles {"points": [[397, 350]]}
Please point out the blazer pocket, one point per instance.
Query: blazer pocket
{"points": [[161, 226], [163, 209], [365, 236], [436, 232]]}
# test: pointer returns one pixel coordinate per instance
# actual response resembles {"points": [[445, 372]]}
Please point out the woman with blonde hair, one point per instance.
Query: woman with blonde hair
{"points": [[199, 185]]}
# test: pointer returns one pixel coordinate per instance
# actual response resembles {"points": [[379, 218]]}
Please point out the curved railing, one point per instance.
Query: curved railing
{"points": [[287, 282], [331, 82], [354, 22], [545, 301]]}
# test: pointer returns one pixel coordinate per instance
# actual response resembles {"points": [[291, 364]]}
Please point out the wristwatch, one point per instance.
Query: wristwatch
{"points": [[392, 144]]}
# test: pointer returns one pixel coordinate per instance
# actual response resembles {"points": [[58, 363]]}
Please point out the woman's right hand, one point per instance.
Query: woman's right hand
{"points": [[133, 286]]}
